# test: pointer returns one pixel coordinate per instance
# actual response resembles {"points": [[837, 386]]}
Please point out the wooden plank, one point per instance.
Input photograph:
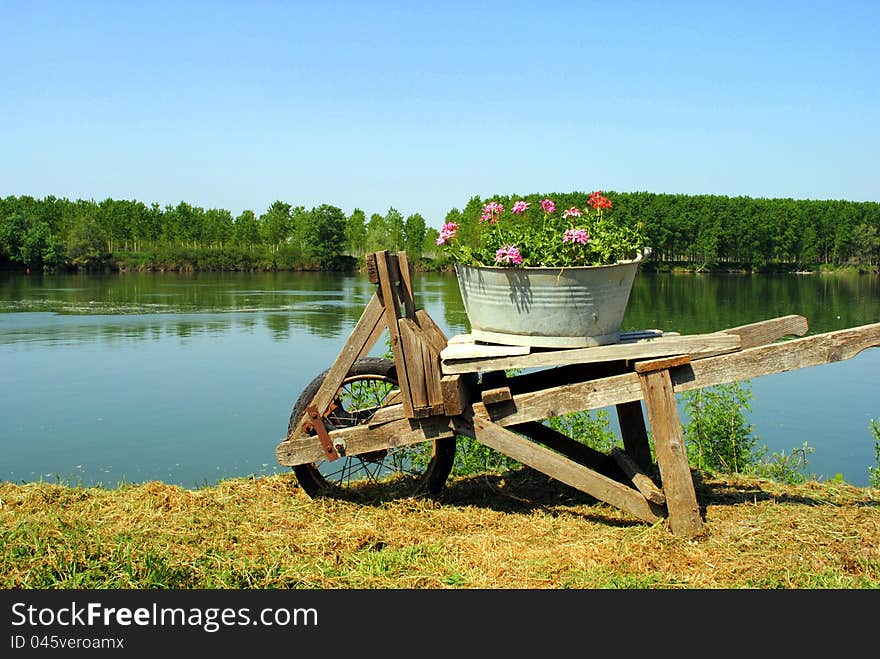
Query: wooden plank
{"points": [[662, 364], [496, 395], [565, 470], [365, 438], [431, 366], [634, 433], [570, 448], [360, 341], [405, 281], [753, 362], [435, 335], [778, 357], [768, 331], [640, 480], [391, 305], [678, 484], [457, 361], [415, 367], [455, 351]]}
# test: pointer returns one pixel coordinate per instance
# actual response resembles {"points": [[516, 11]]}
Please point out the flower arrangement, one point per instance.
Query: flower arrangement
{"points": [[574, 237]]}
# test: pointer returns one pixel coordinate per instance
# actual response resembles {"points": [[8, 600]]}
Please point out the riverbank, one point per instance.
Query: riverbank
{"points": [[519, 530], [244, 260]]}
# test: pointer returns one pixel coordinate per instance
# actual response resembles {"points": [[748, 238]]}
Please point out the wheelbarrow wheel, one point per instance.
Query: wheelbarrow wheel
{"points": [[414, 469]]}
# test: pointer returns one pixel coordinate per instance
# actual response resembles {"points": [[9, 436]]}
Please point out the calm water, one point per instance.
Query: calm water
{"points": [[190, 378]]}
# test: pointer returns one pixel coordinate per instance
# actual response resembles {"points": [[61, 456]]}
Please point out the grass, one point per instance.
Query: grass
{"points": [[519, 530]]}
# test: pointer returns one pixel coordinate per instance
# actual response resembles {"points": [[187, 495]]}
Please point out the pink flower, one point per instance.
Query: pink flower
{"points": [[574, 211], [548, 206], [491, 212], [576, 236], [447, 232], [520, 207], [509, 255]]}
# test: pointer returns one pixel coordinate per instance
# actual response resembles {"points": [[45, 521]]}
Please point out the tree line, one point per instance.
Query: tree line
{"points": [[54, 233], [697, 230]]}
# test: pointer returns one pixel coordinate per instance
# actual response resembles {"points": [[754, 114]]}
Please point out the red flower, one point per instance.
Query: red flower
{"points": [[597, 200]]}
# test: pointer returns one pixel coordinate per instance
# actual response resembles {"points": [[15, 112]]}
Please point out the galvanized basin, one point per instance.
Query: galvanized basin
{"points": [[573, 307]]}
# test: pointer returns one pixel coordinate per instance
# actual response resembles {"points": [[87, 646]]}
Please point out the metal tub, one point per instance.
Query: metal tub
{"points": [[547, 307]]}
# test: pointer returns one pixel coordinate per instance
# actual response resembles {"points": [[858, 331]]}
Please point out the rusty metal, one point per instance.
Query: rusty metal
{"points": [[317, 425]]}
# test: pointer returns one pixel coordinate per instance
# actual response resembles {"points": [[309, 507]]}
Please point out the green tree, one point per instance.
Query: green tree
{"points": [[356, 232], [378, 237], [414, 236], [325, 242], [394, 223], [275, 224], [13, 228], [247, 230]]}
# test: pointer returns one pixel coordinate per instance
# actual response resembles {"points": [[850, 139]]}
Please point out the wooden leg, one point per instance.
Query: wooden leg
{"points": [[634, 433], [678, 485]]}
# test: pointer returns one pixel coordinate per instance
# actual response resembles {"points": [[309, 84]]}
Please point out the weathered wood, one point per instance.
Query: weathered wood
{"points": [[640, 480], [431, 367], [570, 448], [456, 393], [456, 351], [496, 395], [359, 342], [753, 362], [678, 484], [455, 359], [406, 288], [391, 305], [415, 368], [661, 364], [778, 357], [768, 331], [634, 433], [372, 270], [565, 470], [461, 338], [436, 336], [365, 438], [375, 335]]}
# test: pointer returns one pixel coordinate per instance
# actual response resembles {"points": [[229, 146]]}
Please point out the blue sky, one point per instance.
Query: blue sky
{"points": [[416, 106]]}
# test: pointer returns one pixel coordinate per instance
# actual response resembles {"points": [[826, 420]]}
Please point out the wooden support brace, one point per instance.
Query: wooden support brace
{"points": [[496, 395], [570, 448], [678, 484], [640, 480], [403, 276], [634, 433], [565, 470], [361, 340]]}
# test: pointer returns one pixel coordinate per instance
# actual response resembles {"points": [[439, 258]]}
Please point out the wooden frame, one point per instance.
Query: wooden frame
{"points": [[441, 397]]}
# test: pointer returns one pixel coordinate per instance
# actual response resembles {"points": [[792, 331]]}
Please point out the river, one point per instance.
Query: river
{"points": [[189, 378]]}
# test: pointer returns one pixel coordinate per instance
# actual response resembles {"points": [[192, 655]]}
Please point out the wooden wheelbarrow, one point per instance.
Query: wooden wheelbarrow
{"points": [[395, 421]]}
